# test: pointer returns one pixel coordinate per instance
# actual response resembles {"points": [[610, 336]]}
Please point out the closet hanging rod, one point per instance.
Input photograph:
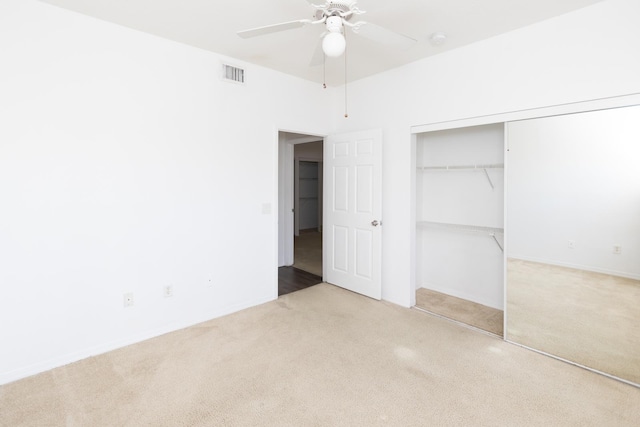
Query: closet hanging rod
{"points": [[488, 231], [463, 167], [461, 227]]}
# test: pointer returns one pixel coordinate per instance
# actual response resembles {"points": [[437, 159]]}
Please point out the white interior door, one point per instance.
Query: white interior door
{"points": [[352, 234]]}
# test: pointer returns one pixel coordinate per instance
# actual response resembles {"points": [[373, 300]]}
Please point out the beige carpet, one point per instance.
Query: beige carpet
{"points": [[589, 318], [308, 252], [321, 357], [477, 315]]}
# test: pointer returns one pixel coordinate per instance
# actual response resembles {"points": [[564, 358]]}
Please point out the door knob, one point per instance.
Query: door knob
{"points": [[375, 223]]}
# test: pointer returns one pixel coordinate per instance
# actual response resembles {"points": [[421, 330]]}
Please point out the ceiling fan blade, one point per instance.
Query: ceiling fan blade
{"points": [[260, 31], [384, 36]]}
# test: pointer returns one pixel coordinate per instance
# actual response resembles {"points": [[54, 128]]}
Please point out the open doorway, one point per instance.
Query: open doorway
{"points": [[300, 207]]}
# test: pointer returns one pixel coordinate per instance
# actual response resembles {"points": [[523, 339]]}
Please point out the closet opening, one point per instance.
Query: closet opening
{"points": [[460, 225]]}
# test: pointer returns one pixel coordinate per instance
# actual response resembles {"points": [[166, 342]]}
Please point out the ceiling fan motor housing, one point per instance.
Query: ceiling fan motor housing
{"points": [[334, 24], [336, 8]]}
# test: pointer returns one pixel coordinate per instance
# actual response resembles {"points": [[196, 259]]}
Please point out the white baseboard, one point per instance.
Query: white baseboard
{"points": [[66, 359], [463, 295], [578, 266]]}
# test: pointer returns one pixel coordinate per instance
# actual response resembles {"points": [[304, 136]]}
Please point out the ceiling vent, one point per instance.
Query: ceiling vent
{"points": [[232, 74]]}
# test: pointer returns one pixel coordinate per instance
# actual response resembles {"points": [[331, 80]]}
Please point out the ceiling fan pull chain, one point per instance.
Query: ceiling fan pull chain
{"points": [[324, 71], [346, 114]]}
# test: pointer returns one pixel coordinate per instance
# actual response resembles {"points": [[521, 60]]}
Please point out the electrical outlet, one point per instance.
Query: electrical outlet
{"points": [[571, 244], [168, 291], [128, 299], [617, 249]]}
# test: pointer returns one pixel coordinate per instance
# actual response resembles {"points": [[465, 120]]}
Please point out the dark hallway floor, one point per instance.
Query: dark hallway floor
{"points": [[291, 279]]}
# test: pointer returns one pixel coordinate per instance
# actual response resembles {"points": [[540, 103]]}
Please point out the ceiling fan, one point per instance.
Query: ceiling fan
{"points": [[336, 16]]}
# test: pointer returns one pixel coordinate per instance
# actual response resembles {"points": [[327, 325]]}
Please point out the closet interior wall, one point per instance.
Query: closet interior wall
{"points": [[460, 213]]}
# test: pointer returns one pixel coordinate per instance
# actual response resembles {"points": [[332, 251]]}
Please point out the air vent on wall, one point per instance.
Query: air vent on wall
{"points": [[232, 73]]}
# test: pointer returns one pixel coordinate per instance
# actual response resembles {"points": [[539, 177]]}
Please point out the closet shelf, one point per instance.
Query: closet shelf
{"points": [[488, 231], [465, 167]]}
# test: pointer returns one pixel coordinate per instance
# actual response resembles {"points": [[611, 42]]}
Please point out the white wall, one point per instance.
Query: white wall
{"points": [[587, 54], [124, 167], [576, 178]]}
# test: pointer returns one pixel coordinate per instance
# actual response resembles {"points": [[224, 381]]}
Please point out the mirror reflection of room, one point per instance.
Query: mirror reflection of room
{"points": [[573, 238]]}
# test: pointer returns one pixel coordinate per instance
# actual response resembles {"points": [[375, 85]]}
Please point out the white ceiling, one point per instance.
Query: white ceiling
{"points": [[212, 25]]}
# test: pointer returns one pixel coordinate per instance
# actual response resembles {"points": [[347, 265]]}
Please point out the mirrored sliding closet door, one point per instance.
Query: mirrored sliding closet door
{"points": [[573, 238]]}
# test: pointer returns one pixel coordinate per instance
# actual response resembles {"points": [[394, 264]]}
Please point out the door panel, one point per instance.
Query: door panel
{"points": [[340, 189], [353, 185], [340, 249], [364, 189], [364, 241]]}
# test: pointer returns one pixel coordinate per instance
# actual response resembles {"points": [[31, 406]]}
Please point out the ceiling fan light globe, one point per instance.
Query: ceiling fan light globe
{"points": [[334, 44]]}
